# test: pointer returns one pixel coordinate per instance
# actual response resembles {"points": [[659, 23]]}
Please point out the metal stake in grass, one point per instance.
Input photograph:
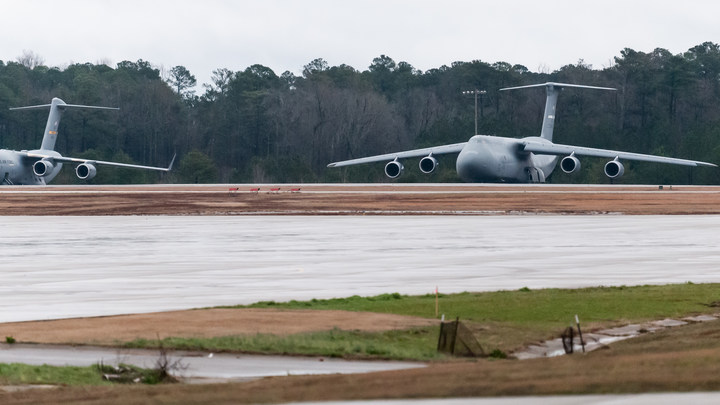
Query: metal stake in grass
{"points": [[582, 342]]}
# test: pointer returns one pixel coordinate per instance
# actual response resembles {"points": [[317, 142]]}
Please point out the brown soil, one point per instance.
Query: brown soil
{"points": [[110, 330], [357, 199]]}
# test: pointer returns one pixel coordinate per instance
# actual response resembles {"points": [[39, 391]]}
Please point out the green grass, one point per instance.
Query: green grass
{"points": [[534, 307], [26, 374], [502, 320], [417, 344], [21, 374]]}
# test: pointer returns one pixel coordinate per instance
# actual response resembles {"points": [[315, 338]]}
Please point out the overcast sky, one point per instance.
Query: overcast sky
{"points": [[204, 35]]}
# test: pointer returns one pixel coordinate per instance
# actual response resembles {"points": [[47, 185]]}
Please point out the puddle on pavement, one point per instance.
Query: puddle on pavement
{"points": [[598, 339]]}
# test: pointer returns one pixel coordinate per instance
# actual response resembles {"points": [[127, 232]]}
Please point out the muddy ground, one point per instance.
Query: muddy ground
{"points": [[357, 199]]}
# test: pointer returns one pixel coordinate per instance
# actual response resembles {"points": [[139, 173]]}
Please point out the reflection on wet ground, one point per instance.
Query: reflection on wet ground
{"points": [[193, 366], [59, 267], [601, 338]]}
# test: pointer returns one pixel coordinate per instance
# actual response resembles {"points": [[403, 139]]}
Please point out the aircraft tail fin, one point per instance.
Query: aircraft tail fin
{"points": [[553, 90], [57, 107]]}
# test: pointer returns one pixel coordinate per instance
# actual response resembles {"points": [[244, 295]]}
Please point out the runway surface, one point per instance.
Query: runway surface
{"points": [[60, 267]]}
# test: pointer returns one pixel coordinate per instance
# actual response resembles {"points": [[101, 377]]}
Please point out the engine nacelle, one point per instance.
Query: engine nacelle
{"points": [[614, 169], [570, 164], [42, 168], [85, 171], [428, 164], [394, 169]]}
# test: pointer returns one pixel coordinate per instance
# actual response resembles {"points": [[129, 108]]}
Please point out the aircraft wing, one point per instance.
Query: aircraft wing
{"points": [[557, 149], [62, 159], [436, 150]]}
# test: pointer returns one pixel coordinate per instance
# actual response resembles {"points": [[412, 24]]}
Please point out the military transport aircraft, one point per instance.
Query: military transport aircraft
{"points": [[40, 166], [487, 158]]}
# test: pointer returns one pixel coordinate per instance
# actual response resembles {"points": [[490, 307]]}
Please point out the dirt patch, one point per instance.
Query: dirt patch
{"points": [[343, 199], [202, 323]]}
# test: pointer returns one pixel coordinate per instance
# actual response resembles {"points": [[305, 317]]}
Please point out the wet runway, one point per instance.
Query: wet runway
{"points": [[58, 267]]}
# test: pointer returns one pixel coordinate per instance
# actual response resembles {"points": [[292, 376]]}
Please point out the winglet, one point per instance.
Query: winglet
{"points": [[171, 163]]}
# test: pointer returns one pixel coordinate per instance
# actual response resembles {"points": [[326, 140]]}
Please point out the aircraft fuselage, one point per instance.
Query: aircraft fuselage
{"points": [[497, 159], [14, 169]]}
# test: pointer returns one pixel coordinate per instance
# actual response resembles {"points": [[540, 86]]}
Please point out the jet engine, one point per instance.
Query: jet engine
{"points": [[394, 169], [570, 164], [428, 164], [614, 169], [85, 171], [43, 168]]}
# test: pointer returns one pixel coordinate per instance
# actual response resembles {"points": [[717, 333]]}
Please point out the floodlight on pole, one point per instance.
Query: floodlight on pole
{"points": [[476, 92]]}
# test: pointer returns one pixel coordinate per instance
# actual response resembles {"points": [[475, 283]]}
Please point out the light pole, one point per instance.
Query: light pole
{"points": [[475, 93]]}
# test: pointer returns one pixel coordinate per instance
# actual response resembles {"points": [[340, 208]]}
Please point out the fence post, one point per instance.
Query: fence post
{"points": [[582, 342]]}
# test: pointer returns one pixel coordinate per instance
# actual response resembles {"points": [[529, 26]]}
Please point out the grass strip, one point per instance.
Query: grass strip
{"points": [[22, 374], [415, 344], [534, 307], [502, 320], [26, 374]]}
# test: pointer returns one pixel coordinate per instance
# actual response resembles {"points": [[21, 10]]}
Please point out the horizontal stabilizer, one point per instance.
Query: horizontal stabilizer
{"points": [[43, 106], [558, 85], [553, 90]]}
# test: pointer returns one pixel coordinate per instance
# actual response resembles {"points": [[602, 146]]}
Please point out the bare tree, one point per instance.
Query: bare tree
{"points": [[30, 59]]}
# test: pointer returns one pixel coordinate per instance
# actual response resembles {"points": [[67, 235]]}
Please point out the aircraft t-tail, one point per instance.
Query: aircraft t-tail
{"points": [[40, 166], [486, 158]]}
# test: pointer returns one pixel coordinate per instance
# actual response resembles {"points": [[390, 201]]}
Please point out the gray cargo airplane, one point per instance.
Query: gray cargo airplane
{"points": [[40, 166], [487, 158]]}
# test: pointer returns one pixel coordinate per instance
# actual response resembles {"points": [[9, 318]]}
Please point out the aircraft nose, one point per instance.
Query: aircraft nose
{"points": [[473, 163]]}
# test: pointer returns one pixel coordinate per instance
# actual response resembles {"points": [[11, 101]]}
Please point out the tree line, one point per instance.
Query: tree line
{"points": [[256, 126]]}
